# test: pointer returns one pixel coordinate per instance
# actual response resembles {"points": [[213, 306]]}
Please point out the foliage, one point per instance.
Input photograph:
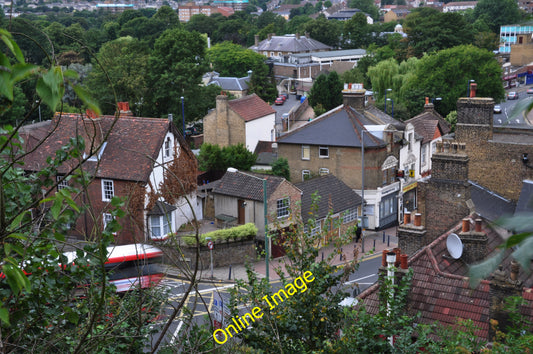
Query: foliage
{"points": [[231, 59], [497, 13], [263, 84], [280, 167], [214, 158], [429, 31], [326, 91], [452, 119], [305, 320], [367, 6], [357, 33], [241, 232], [324, 31]]}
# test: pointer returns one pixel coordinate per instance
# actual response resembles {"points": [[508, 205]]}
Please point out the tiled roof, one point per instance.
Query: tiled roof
{"points": [[330, 189], [243, 185], [440, 289], [251, 107], [339, 127], [133, 143], [426, 129], [291, 44]]}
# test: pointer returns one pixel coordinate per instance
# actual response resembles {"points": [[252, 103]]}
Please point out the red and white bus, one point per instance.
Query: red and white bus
{"points": [[131, 266]]}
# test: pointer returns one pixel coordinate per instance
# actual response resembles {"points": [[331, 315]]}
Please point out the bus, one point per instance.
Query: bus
{"points": [[129, 267]]}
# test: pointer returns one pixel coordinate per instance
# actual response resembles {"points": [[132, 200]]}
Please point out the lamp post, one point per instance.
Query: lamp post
{"points": [[39, 110], [468, 88], [387, 90], [183, 115], [265, 216], [392, 103]]}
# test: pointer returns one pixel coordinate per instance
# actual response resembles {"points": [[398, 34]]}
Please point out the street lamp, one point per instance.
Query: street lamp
{"points": [[265, 215], [392, 103], [389, 90], [468, 88]]}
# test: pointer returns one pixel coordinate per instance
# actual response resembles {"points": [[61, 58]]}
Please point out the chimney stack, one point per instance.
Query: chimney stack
{"points": [[474, 242], [411, 236]]}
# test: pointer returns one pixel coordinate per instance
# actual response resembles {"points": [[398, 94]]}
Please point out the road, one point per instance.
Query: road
{"points": [[201, 302], [506, 118]]}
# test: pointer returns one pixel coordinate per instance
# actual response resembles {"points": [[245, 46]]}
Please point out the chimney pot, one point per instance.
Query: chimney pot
{"points": [[466, 225], [418, 219], [398, 252], [403, 261], [515, 268], [473, 88], [478, 225], [407, 218]]}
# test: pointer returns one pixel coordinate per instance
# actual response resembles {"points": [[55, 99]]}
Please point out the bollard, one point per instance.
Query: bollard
{"points": [[383, 236], [363, 245], [322, 256], [374, 244], [229, 278], [388, 240], [341, 254]]}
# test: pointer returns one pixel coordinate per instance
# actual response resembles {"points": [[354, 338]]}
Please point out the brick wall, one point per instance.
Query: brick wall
{"points": [[495, 153], [223, 126], [285, 189]]}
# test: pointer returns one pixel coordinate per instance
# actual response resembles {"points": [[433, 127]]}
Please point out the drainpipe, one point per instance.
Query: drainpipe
{"points": [[391, 259]]}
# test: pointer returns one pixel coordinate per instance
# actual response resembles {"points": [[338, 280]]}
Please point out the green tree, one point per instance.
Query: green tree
{"points": [[366, 6], [280, 167], [175, 69], [497, 13], [202, 24], [356, 32], [446, 74], [214, 158], [429, 31], [231, 59], [324, 30], [326, 91], [123, 63]]}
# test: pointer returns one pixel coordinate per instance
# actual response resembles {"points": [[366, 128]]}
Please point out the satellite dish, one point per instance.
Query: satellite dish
{"points": [[454, 246]]}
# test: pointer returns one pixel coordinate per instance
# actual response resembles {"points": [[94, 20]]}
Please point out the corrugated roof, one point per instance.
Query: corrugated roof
{"points": [[251, 107], [330, 189]]}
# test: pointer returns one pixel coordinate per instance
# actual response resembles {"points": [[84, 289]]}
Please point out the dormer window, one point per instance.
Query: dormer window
{"points": [[98, 156]]}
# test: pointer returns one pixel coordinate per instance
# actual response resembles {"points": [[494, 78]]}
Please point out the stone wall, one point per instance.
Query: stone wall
{"points": [[225, 253]]}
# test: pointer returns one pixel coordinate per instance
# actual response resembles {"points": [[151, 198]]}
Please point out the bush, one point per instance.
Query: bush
{"points": [[236, 233]]}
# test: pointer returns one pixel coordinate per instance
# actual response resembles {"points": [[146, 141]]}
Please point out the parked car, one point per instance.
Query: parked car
{"points": [[529, 91], [497, 109], [285, 96], [279, 101], [512, 95]]}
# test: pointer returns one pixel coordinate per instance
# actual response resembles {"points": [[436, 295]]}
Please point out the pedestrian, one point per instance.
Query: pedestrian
{"points": [[358, 234]]}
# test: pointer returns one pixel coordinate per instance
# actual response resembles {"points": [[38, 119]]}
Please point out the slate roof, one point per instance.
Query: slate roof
{"points": [[242, 185], [525, 201], [339, 127], [251, 107], [231, 83], [440, 289], [133, 143], [265, 155], [490, 205], [330, 189], [289, 43], [344, 14]]}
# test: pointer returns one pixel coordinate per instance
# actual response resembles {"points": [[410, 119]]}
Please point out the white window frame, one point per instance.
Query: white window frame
{"points": [[349, 215], [306, 173], [283, 207], [306, 148], [106, 219], [106, 191], [323, 171], [164, 224], [320, 155], [423, 155], [63, 184]]}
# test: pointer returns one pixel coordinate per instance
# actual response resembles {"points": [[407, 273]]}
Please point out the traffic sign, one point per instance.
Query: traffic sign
{"points": [[210, 244]]}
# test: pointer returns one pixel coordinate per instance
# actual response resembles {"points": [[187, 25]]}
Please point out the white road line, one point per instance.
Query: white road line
{"points": [[176, 332], [357, 280]]}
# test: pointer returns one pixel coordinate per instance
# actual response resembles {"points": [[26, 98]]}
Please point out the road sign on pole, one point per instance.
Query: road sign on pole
{"points": [[210, 245]]}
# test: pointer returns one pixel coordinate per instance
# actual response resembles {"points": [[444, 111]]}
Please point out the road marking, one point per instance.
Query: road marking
{"points": [[356, 280], [176, 332]]}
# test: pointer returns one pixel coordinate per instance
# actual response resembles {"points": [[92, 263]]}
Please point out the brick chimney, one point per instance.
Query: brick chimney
{"points": [[222, 132], [474, 241], [124, 109], [353, 95], [297, 35], [446, 195], [502, 287], [400, 269], [474, 119], [411, 234]]}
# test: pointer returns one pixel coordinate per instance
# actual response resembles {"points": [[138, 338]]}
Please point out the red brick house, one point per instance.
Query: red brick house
{"points": [[138, 159]]}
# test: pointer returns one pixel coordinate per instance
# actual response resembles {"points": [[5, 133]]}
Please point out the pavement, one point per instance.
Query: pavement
{"points": [[372, 245]]}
